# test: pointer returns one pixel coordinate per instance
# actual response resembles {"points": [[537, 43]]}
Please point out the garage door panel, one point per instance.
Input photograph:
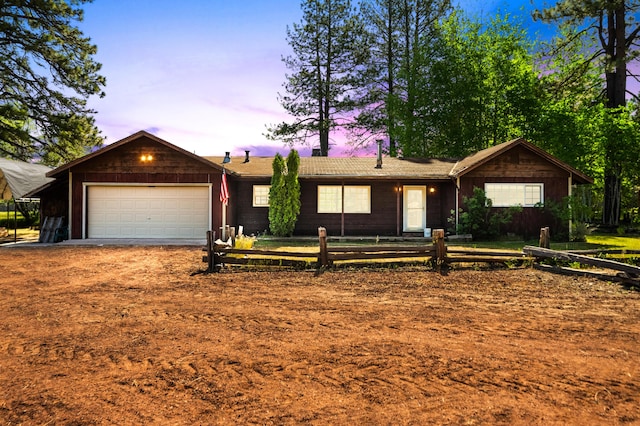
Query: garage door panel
{"points": [[159, 204], [147, 212]]}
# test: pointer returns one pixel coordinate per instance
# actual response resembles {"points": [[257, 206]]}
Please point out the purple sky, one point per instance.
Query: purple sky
{"points": [[201, 74]]}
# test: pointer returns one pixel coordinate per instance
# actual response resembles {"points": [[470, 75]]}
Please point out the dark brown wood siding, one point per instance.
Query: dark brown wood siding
{"points": [[381, 220], [523, 166], [385, 218], [518, 162], [386, 214], [127, 159], [254, 220], [440, 204], [54, 201]]}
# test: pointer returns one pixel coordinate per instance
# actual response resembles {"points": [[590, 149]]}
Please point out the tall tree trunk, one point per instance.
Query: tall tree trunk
{"points": [[391, 120], [616, 81]]}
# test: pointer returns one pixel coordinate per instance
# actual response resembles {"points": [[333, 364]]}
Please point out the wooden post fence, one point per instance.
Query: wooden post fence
{"points": [[441, 248], [545, 238], [437, 253], [212, 257], [323, 256]]}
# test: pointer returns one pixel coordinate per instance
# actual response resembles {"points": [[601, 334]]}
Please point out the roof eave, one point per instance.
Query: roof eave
{"points": [[528, 145]]}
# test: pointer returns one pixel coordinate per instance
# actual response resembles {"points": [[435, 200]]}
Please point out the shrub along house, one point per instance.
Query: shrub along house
{"points": [[145, 187]]}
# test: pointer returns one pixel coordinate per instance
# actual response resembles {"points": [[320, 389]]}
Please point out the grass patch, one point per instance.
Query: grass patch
{"points": [[615, 242], [22, 234], [595, 241]]}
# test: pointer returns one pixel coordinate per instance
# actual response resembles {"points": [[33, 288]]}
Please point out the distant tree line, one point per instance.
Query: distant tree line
{"points": [[434, 82]]}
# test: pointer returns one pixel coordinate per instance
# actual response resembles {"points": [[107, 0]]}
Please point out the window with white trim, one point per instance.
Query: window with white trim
{"points": [[357, 199], [261, 195], [514, 194]]}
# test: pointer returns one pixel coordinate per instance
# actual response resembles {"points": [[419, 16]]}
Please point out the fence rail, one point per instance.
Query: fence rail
{"points": [[436, 253]]}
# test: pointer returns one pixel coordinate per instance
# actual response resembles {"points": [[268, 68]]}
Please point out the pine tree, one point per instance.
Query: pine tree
{"points": [[328, 47], [613, 25], [400, 30], [46, 75]]}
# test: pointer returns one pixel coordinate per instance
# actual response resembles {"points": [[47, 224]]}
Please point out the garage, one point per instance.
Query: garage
{"points": [[147, 211]]}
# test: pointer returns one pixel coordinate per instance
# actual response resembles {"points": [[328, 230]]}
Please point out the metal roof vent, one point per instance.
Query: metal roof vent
{"points": [[379, 160]]}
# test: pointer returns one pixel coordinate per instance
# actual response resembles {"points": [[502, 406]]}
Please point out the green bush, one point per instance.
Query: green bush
{"points": [[579, 232], [480, 220], [571, 208]]}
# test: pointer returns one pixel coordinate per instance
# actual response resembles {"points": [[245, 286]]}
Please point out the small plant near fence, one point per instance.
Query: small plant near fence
{"points": [[244, 242]]}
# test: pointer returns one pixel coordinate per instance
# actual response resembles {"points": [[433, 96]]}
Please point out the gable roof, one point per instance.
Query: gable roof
{"points": [[344, 167], [58, 171], [476, 160], [392, 168]]}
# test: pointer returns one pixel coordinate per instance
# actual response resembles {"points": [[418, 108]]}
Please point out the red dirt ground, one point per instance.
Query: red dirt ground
{"points": [[108, 335]]}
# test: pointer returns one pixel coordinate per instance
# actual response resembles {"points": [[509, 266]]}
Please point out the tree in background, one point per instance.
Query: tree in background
{"points": [[284, 195], [417, 31], [46, 75], [328, 47], [398, 29], [480, 88], [612, 25]]}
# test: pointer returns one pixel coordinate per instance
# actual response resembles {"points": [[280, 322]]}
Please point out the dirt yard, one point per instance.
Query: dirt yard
{"points": [[109, 335]]}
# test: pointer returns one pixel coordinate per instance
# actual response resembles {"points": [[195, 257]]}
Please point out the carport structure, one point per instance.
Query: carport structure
{"points": [[19, 178]]}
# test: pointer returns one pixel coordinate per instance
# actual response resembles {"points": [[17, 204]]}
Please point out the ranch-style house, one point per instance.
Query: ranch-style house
{"points": [[145, 187]]}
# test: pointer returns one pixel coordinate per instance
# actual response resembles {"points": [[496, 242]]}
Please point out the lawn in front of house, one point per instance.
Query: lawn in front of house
{"points": [[21, 234], [594, 241]]}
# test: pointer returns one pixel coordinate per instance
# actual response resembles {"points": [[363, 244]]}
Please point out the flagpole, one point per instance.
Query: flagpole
{"points": [[224, 222], [224, 200]]}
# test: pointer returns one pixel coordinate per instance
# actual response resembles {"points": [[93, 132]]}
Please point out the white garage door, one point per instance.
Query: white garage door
{"points": [[147, 212]]}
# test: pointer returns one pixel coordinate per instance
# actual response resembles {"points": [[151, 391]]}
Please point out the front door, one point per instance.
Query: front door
{"points": [[415, 208]]}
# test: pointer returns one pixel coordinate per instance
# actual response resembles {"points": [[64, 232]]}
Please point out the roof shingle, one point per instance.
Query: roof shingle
{"points": [[347, 167]]}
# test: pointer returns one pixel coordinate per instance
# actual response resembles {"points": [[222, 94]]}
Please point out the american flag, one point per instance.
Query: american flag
{"points": [[224, 189]]}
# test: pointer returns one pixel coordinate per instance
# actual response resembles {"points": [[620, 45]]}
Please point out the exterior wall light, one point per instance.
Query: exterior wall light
{"points": [[432, 189], [145, 158]]}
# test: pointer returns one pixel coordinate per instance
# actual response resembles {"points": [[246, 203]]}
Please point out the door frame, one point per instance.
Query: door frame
{"points": [[405, 207]]}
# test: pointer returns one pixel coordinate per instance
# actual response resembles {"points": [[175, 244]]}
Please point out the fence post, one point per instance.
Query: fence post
{"points": [[545, 238], [441, 249], [323, 257], [232, 235], [211, 237]]}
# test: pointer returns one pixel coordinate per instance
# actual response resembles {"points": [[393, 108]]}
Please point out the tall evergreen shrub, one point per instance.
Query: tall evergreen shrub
{"points": [[284, 195]]}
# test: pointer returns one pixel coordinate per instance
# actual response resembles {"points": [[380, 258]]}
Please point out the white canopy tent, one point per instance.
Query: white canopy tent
{"points": [[18, 178]]}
